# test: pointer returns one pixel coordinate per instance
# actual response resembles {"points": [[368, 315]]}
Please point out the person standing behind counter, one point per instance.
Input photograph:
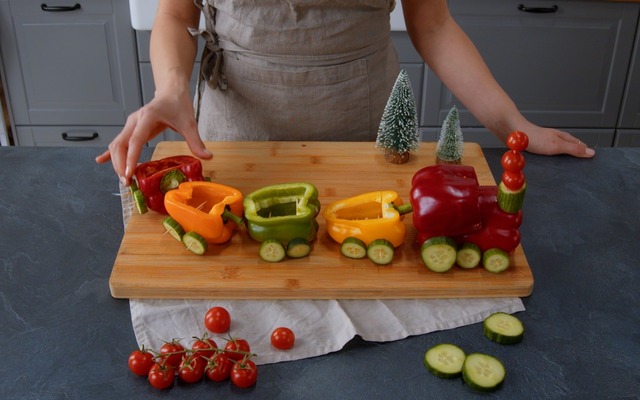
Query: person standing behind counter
{"points": [[305, 70]]}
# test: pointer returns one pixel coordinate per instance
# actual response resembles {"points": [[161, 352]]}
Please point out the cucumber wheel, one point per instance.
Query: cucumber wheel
{"points": [[483, 372], [171, 180], [298, 248], [439, 253], [444, 360], [469, 256], [194, 242], [495, 260], [380, 251], [138, 199], [271, 250], [503, 328], [353, 247], [173, 228]]}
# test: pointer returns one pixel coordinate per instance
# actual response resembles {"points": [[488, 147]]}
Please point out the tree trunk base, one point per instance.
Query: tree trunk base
{"points": [[440, 161], [396, 158]]}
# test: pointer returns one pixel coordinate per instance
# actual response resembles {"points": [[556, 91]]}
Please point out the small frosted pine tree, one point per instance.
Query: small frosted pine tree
{"points": [[450, 144], [398, 131]]}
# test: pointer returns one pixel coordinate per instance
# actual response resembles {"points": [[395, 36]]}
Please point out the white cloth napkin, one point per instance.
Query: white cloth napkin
{"points": [[320, 326]]}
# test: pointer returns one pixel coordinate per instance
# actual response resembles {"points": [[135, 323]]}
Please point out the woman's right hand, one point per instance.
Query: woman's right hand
{"points": [[164, 111]]}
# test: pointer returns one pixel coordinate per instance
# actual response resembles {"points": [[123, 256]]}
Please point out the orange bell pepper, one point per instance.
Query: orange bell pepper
{"points": [[212, 210], [368, 217]]}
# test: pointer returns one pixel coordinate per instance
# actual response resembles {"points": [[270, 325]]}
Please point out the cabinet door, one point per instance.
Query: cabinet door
{"points": [[630, 114], [563, 68], [74, 65]]}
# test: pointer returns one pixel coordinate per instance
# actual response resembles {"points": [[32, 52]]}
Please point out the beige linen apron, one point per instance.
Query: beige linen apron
{"points": [[295, 70]]}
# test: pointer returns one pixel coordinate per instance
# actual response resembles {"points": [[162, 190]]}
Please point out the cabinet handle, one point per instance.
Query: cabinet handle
{"points": [[538, 10], [45, 7], [69, 138]]}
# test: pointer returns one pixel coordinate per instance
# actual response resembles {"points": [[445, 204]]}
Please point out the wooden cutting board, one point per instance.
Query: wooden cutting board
{"points": [[152, 265]]}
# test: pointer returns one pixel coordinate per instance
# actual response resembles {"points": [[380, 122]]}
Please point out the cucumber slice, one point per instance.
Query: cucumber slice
{"points": [[495, 260], [380, 251], [171, 180], [468, 256], [194, 242], [173, 228], [503, 328], [439, 253], [298, 248], [510, 201], [483, 372], [271, 250], [444, 360], [353, 247], [138, 199]]}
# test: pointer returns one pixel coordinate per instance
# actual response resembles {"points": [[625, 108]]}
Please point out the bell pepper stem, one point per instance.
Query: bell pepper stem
{"points": [[228, 215], [403, 208]]}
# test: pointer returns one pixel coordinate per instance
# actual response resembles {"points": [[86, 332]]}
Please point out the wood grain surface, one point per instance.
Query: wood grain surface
{"points": [[151, 264]]}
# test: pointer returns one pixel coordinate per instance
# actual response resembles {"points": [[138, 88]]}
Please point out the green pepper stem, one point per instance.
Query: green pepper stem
{"points": [[403, 209], [228, 215]]}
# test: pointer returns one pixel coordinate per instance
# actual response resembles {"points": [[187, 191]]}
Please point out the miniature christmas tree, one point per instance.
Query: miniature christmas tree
{"points": [[398, 131], [450, 144]]}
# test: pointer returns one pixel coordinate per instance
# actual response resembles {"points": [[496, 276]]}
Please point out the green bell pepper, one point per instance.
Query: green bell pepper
{"points": [[283, 212]]}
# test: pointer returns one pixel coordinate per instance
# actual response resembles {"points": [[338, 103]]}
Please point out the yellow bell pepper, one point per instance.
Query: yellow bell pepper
{"points": [[210, 209], [368, 217]]}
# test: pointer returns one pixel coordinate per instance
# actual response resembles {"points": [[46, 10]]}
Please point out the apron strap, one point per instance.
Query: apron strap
{"points": [[211, 59]]}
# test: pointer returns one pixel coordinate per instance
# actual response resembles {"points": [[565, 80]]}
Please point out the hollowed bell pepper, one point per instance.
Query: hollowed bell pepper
{"points": [[150, 176], [283, 212], [210, 209], [368, 217]]}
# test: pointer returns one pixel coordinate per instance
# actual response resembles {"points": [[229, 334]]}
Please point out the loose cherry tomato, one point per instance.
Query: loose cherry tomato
{"points": [[283, 338], [192, 368], [517, 141], [140, 362], [161, 376], [204, 347], [244, 374], [513, 161], [219, 367], [237, 344], [217, 320], [513, 180], [172, 352]]}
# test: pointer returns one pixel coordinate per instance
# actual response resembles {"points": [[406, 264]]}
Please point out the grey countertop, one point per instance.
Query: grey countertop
{"points": [[63, 336]]}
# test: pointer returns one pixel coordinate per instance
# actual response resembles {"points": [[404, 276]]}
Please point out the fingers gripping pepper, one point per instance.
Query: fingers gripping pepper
{"points": [[210, 209], [282, 212], [155, 178], [368, 217]]}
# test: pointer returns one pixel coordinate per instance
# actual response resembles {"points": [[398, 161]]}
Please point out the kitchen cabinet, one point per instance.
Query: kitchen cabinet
{"points": [[630, 113], [70, 69]]}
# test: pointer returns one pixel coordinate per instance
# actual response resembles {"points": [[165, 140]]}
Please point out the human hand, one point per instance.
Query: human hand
{"points": [[145, 124], [549, 141]]}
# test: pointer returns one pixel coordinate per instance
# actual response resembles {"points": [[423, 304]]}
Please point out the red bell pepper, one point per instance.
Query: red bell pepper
{"points": [[154, 178]]}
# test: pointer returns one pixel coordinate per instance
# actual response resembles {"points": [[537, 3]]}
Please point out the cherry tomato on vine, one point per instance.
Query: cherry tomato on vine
{"points": [[219, 367], [140, 362], [283, 338], [244, 374], [217, 320], [192, 368], [517, 141], [172, 352], [237, 345], [513, 161], [161, 376], [204, 346], [513, 180]]}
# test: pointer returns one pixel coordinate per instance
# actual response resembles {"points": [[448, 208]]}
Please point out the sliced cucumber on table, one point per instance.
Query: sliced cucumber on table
{"points": [[439, 253], [298, 248], [380, 251], [194, 242], [503, 328], [444, 360], [483, 372], [271, 250], [352, 247]]}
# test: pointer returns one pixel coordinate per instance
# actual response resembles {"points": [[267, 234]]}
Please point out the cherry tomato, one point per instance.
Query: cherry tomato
{"points": [[244, 374], [219, 367], [517, 141], [140, 362], [204, 347], [513, 180], [172, 352], [513, 161], [192, 368], [237, 344], [217, 320], [283, 338], [161, 376]]}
